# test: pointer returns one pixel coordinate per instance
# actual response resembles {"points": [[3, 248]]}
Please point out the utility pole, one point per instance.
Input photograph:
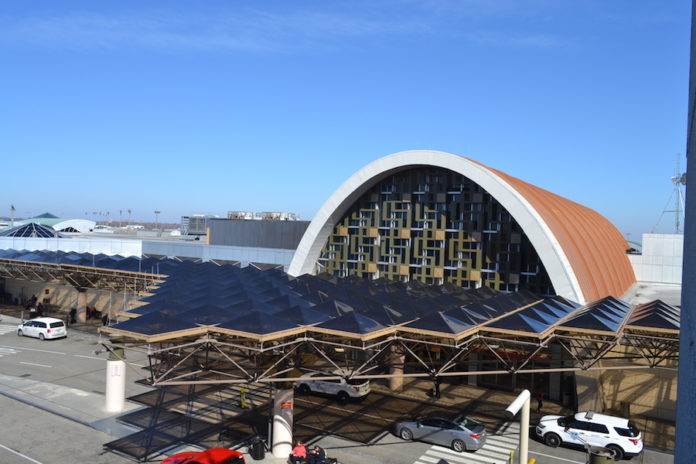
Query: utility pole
{"points": [[157, 212], [678, 180]]}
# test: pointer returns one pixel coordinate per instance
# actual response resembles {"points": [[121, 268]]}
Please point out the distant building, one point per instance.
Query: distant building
{"points": [[62, 225], [276, 234], [262, 216], [196, 224]]}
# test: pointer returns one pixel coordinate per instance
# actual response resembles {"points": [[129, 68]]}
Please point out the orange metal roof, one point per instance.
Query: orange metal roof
{"points": [[595, 249]]}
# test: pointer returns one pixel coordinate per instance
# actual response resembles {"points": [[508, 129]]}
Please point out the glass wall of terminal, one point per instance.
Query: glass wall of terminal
{"points": [[435, 226]]}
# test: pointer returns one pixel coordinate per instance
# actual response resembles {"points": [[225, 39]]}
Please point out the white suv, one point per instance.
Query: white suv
{"points": [[43, 328], [589, 428], [342, 389]]}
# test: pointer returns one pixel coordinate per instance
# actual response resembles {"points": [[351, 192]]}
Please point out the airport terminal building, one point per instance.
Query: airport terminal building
{"points": [[422, 265], [438, 217]]}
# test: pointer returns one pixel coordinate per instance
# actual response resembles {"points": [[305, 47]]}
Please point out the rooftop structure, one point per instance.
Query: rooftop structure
{"points": [[61, 224], [439, 217], [262, 216], [30, 230]]}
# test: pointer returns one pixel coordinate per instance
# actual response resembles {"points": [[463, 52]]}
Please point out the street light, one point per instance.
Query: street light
{"points": [[157, 212]]}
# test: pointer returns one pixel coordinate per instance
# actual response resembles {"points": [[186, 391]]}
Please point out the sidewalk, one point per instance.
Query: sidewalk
{"points": [[86, 408]]}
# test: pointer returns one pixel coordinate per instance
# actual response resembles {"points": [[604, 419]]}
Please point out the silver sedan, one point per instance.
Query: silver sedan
{"points": [[459, 433]]}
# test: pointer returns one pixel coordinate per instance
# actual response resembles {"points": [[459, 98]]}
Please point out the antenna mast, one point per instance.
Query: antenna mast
{"points": [[678, 180]]}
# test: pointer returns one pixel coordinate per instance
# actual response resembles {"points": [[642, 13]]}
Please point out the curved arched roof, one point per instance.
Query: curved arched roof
{"points": [[583, 253]]}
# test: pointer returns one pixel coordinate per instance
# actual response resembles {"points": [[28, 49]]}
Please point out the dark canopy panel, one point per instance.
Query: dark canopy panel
{"points": [[656, 315], [607, 315], [259, 323], [443, 323], [534, 319], [228, 298], [353, 323], [155, 324]]}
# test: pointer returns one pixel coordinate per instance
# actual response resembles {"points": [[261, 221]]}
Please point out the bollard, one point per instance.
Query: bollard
{"points": [[115, 380]]}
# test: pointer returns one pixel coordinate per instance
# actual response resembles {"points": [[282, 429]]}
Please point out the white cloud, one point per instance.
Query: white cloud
{"points": [[264, 31], [251, 31]]}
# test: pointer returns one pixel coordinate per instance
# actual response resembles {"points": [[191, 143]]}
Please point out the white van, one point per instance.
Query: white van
{"points": [[589, 428], [44, 328]]}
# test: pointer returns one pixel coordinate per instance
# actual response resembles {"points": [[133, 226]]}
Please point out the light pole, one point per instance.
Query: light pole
{"points": [[157, 212], [521, 404]]}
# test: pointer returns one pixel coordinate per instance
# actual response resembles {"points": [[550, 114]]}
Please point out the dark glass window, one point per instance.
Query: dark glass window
{"points": [[631, 431]]}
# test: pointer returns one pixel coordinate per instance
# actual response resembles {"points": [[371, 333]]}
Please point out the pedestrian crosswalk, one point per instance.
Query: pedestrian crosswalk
{"points": [[4, 328], [496, 450]]}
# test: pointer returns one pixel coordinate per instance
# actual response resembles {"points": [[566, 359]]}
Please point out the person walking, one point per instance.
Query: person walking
{"points": [[242, 397], [540, 401]]}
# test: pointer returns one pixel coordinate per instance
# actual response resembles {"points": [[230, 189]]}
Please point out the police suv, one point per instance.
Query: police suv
{"points": [[618, 435]]}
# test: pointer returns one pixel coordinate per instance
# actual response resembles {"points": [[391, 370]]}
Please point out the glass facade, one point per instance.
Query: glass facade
{"points": [[436, 226]]}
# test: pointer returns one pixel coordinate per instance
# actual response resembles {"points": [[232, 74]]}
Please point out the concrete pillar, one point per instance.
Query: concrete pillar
{"points": [[555, 378], [472, 380], [115, 381], [81, 306], [281, 443], [397, 358]]}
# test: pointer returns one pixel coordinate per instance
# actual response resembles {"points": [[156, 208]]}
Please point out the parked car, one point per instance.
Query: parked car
{"points": [[43, 328], [210, 456], [460, 433], [589, 428], [342, 389]]}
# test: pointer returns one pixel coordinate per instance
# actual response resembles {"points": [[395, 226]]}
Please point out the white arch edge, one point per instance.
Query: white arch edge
{"points": [[548, 248]]}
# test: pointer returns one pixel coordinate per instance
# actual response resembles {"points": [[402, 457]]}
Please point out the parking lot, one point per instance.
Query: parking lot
{"points": [[53, 390]]}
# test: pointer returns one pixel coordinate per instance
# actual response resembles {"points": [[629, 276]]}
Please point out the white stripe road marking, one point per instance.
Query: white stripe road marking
{"points": [[89, 357], [17, 453], [485, 451], [468, 457], [490, 447], [33, 364], [429, 459], [557, 458], [503, 440], [489, 454], [31, 349], [513, 427]]}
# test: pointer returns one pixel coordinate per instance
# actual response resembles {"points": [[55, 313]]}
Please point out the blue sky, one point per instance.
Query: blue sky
{"points": [[211, 106]]}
